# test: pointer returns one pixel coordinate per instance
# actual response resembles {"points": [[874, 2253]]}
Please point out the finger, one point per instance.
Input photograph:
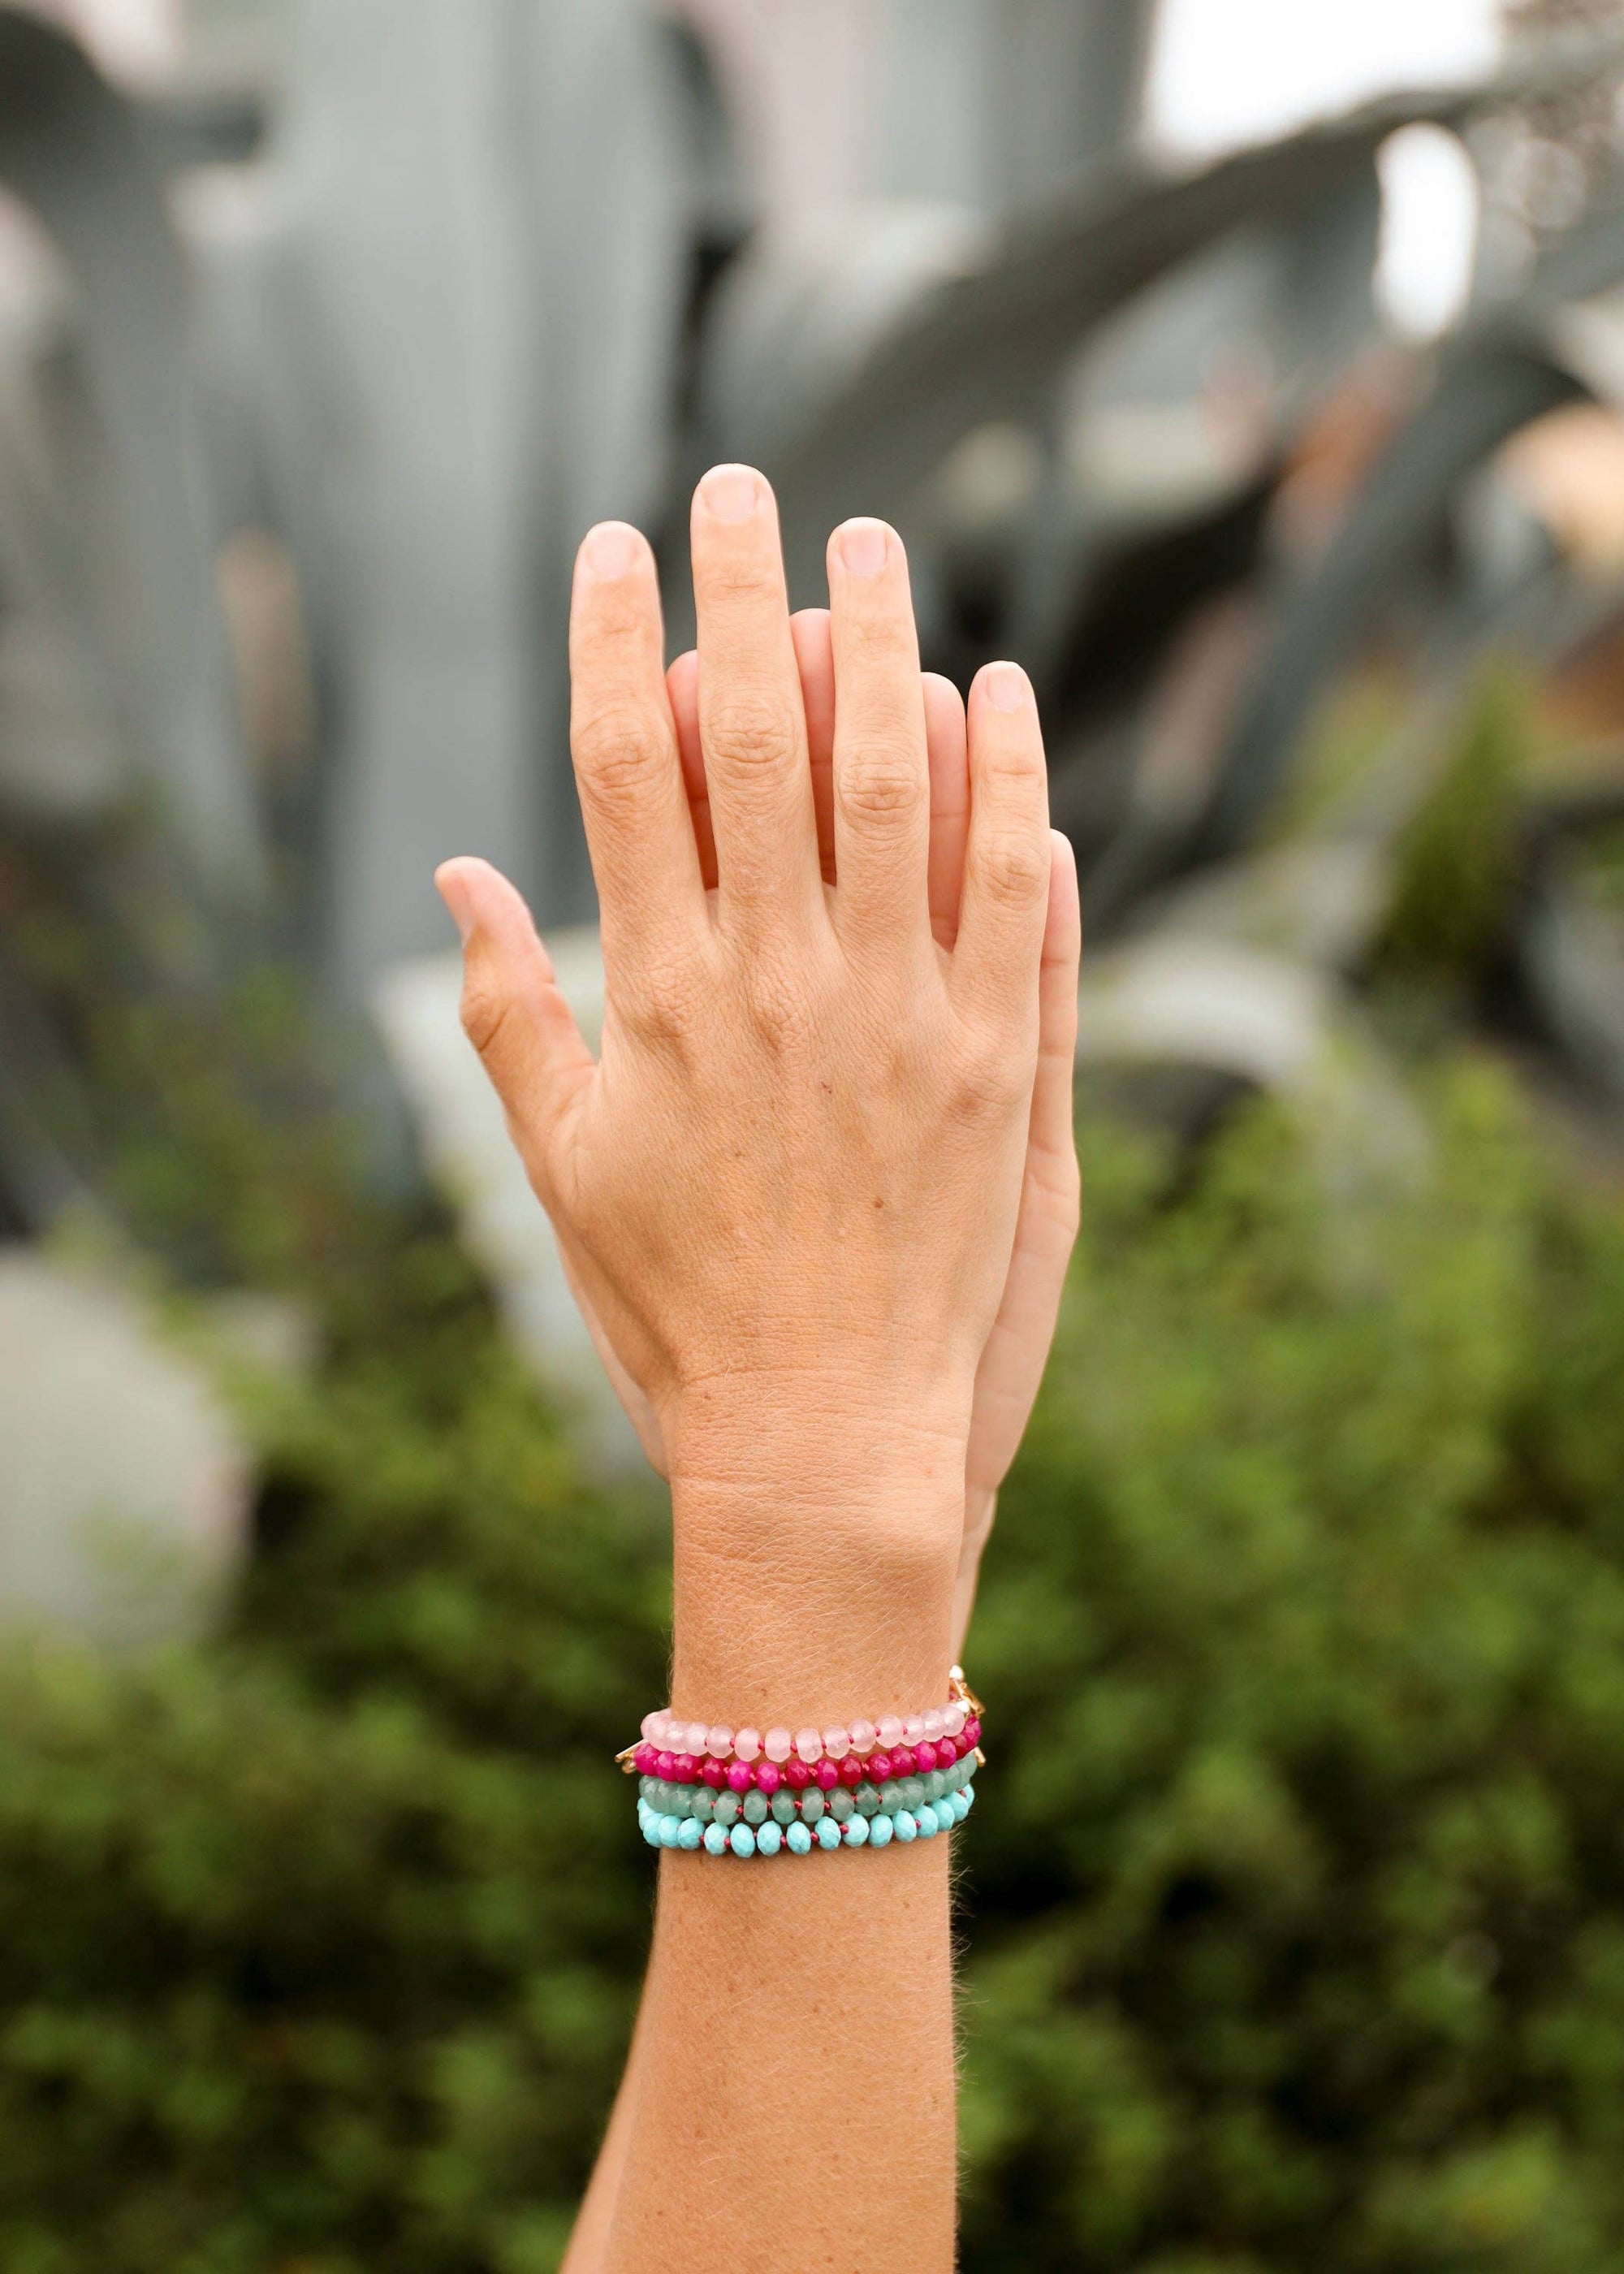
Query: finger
{"points": [[1011, 1365], [625, 747], [814, 655], [1052, 1152], [1004, 910], [881, 776], [947, 750], [751, 724], [683, 688], [513, 1012]]}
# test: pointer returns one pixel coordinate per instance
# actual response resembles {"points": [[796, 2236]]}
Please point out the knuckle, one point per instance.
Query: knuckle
{"points": [[884, 781], [777, 1003], [750, 731], [618, 751], [486, 1011], [987, 1080], [658, 1004], [1012, 868]]}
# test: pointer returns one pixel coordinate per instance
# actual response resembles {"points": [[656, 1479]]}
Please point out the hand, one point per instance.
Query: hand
{"points": [[792, 1185], [1012, 1365]]}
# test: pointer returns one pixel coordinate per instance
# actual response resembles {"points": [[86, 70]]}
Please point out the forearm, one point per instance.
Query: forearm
{"points": [[795, 2046]]}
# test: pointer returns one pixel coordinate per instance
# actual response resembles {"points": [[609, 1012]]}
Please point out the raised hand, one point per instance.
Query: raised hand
{"points": [[1012, 1361]]}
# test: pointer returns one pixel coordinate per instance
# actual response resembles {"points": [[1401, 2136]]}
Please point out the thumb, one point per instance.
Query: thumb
{"points": [[512, 1011]]}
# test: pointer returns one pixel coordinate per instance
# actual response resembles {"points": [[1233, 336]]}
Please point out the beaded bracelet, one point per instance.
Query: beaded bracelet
{"points": [[903, 1777], [799, 1839], [682, 1753], [868, 1798]]}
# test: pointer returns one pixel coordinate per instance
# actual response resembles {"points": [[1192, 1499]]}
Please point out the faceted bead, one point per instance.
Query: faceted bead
{"points": [[665, 1766], [935, 1725], [811, 1804], [796, 1775], [879, 1766], [702, 1805], [902, 1824], [685, 1768], [777, 1744], [727, 1808], [827, 1774], [645, 1787], [782, 1806], [902, 1760], [929, 1822], [669, 1831], [650, 1830], [969, 1798], [769, 1839], [925, 1757], [829, 1834], [798, 1838], [880, 1832], [720, 1741], [868, 1799], [889, 1731], [856, 1833], [747, 1745], [913, 1728], [955, 1716], [809, 1744], [649, 1721], [714, 1774], [754, 1808], [741, 1840], [837, 1743], [972, 1732], [739, 1776], [647, 1759], [840, 1804], [766, 1776], [913, 1791], [715, 1840], [851, 1769], [863, 1736], [689, 1834], [890, 1797], [680, 1801]]}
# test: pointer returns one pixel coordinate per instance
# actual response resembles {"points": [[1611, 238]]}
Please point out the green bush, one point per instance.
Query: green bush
{"points": [[1299, 1940], [1295, 1938]]}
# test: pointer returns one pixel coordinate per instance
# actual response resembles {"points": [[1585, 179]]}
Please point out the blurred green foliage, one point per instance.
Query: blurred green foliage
{"points": [[1295, 1933], [1457, 861]]}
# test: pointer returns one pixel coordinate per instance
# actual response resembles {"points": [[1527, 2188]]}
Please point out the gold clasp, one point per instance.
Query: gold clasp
{"points": [[962, 1691]]}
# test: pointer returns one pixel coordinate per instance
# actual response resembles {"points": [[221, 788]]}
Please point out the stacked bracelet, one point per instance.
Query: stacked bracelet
{"points": [[902, 1778]]}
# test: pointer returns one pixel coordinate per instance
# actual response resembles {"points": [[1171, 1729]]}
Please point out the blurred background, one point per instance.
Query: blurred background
{"points": [[1255, 373]]}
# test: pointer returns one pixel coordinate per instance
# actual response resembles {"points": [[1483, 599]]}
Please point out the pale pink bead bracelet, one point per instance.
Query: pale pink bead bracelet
{"points": [[684, 1751]]}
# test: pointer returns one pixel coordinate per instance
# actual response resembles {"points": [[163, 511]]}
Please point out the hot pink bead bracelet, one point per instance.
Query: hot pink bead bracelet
{"points": [[680, 1751]]}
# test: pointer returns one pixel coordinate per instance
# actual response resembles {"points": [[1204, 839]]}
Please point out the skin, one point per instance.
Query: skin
{"points": [[816, 1199]]}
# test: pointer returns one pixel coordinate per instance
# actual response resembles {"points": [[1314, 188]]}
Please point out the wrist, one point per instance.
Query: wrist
{"points": [[816, 1550]]}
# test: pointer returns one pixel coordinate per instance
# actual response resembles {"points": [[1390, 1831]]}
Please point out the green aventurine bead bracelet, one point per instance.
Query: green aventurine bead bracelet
{"points": [[826, 1830]]}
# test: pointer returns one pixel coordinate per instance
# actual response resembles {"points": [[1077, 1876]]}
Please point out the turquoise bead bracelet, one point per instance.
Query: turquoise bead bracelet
{"points": [[799, 1838]]}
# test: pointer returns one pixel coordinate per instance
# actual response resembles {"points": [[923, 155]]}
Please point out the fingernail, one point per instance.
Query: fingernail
{"points": [[731, 493], [1006, 686], [610, 550], [863, 547], [460, 907]]}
